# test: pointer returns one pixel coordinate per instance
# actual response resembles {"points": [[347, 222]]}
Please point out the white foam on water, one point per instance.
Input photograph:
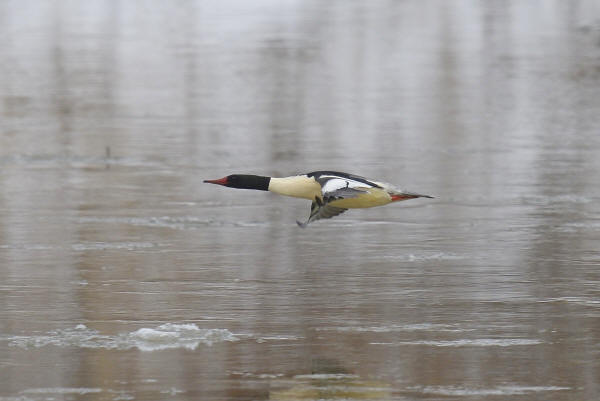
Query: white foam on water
{"points": [[499, 390], [171, 335], [165, 336]]}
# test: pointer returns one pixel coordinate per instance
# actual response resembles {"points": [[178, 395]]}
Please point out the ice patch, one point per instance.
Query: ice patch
{"points": [[165, 336]]}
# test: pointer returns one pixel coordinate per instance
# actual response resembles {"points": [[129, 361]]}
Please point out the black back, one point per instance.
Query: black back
{"points": [[318, 174]]}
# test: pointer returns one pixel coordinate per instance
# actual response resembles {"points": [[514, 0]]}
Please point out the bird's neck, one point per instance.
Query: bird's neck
{"points": [[246, 181], [298, 186]]}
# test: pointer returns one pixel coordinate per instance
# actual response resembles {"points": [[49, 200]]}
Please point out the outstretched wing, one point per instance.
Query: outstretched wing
{"points": [[320, 210], [334, 186], [342, 187]]}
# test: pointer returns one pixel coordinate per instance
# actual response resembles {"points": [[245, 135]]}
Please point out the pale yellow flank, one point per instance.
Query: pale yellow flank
{"points": [[371, 198]]}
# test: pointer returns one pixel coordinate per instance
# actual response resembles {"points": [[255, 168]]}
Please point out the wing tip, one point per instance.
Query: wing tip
{"points": [[301, 225]]}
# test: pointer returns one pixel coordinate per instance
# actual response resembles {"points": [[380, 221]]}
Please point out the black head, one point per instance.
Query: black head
{"points": [[243, 181]]}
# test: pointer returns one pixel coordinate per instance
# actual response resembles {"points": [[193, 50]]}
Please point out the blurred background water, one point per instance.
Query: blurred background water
{"points": [[123, 277]]}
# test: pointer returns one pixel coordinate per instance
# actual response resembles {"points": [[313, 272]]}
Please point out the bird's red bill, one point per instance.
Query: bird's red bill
{"points": [[220, 181]]}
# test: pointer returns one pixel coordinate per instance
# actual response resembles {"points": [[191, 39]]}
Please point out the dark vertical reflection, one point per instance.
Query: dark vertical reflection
{"points": [[193, 79], [60, 92]]}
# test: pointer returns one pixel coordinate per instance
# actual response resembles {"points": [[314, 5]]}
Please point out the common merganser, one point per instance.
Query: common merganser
{"points": [[331, 192]]}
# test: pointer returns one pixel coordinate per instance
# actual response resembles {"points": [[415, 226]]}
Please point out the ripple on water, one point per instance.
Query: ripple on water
{"points": [[76, 161], [52, 393], [62, 390], [577, 226], [499, 390], [396, 327], [83, 246], [101, 246], [423, 257], [575, 300], [173, 222], [555, 200], [465, 342], [186, 223], [165, 336]]}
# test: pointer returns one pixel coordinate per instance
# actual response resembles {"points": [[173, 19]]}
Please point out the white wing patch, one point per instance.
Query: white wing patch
{"points": [[335, 186]]}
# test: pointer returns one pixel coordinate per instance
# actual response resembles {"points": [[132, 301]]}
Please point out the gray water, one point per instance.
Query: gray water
{"points": [[124, 277]]}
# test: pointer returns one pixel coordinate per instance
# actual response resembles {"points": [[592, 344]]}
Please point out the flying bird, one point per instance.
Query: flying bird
{"points": [[331, 192]]}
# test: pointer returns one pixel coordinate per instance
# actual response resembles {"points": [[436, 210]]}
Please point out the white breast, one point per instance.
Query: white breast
{"points": [[299, 186]]}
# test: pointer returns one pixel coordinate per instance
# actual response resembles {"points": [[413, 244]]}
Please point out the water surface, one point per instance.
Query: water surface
{"points": [[123, 276]]}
